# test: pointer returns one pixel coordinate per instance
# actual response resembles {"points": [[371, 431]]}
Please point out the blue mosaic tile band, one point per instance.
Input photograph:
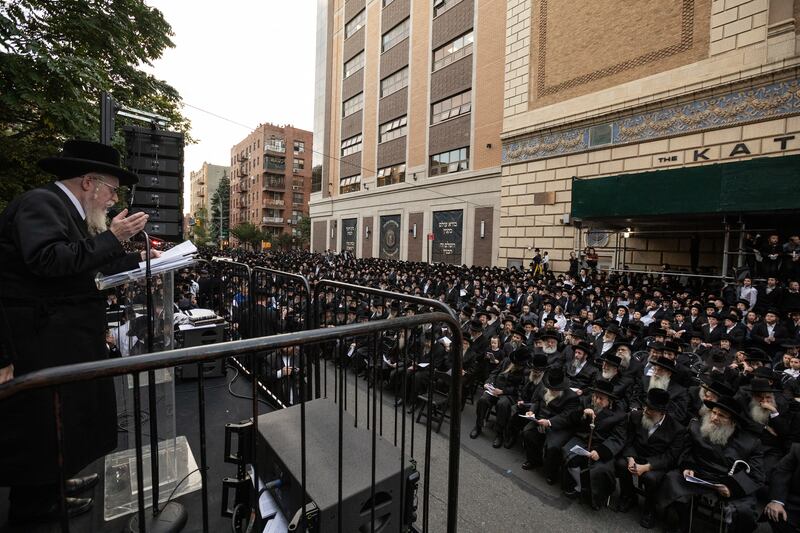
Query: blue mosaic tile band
{"points": [[760, 103]]}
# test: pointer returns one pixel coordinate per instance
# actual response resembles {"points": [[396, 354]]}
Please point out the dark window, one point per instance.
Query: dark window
{"points": [[449, 162]]}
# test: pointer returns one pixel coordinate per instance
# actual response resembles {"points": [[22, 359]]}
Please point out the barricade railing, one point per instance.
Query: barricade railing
{"points": [[56, 379], [454, 402]]}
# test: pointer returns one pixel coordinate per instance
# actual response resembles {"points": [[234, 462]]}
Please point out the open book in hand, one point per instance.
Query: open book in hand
{"points": [[176, 257], [579, 450]]}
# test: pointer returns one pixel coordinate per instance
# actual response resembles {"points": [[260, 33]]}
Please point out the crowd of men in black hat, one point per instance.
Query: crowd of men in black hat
{"points": [[639, 382]]}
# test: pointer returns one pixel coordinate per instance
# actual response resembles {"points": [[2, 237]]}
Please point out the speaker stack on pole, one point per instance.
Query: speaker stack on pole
{"points": [[156, 156]]}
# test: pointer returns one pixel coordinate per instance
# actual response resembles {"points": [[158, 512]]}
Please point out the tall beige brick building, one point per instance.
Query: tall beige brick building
{"points": [[202, 186], [409, 112], [661, 135]]}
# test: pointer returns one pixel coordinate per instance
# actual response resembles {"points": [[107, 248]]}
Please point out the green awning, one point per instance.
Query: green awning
{"points": [[757, 185]]}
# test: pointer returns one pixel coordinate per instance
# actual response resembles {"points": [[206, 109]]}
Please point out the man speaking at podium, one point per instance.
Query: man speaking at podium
{"points": [[53, 241]]}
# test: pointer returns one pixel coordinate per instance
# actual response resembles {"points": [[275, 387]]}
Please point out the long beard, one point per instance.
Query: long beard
{"points": [[609, 374], [758, 414], [626, 360], [96, 217], [515, 344], [596, 408], [575, 366], [647, 422], [550, 395], [716, 434], [658, 382], [549, 350], [535, 379]]}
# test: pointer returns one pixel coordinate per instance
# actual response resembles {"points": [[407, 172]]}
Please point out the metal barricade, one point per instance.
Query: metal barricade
{"points": [[56, 378]]}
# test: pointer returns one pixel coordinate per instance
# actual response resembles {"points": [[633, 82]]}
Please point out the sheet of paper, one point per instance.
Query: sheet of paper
{"points": [[579, 450], [531, 417], [698, 481], [573, 389], [351, 352], [277, 524], [423, 365]]}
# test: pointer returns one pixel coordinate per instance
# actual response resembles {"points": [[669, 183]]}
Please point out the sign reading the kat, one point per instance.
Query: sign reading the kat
{"points": [[744, 148]]}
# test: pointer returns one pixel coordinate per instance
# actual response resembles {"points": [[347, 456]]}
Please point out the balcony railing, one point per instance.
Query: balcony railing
{"points": [[274, 184], [272, 202], [272, 220]]}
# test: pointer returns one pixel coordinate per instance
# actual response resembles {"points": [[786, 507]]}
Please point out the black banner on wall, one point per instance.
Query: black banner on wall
{"points": [[390, 237], [448, 228], [349, 234]]}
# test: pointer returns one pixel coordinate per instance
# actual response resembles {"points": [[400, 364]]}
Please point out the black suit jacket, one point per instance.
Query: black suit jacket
{"points": [[661, 449], [784, 484], [56, 316]]}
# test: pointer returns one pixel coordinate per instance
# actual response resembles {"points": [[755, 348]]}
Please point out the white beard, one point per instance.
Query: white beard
{"points": [[548, 350], [758, 414], [658, 382], [609, 374], [626, 360], [716, 434], [550, 395], [96, 218], [647, 422]]}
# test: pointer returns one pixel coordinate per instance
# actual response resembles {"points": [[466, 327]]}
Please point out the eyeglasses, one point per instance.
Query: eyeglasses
{"points": [[118, 191]]}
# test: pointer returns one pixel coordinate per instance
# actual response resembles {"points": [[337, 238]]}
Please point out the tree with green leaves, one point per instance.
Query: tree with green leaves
{"points": [[248, 233], [56, 58], [304, 227], [200, 234], [283, 241], [220, 211]]}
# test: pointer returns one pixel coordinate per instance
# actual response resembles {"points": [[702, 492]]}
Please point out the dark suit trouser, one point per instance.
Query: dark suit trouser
{"points": [[649, 481], [547, 444], [483, 406]]}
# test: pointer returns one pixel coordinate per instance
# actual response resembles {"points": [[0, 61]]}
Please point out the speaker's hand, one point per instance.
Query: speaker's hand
{"points": [[124, 227]]}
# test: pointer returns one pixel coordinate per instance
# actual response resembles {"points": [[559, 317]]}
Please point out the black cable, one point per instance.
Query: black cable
{"points": [[243, 397], [180, 483]]}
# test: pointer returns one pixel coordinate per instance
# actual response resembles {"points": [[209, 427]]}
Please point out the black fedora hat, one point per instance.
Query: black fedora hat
{"points": [[520, 356], [657, 399], [605, 387], [551, 333], [611, 359], [757, 354], [538, 361], [728, 404], [475, 325], [519, 330], [554, 379], [760, 385], [81, 157], [583, 346], [671, 346], [720, 388], [663, 362]]}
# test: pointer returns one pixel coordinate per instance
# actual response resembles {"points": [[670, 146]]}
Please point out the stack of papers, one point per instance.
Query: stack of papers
{"points": [[177, 257], [698, 481]]}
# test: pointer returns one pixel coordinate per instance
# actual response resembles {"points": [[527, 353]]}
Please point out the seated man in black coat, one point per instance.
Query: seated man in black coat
{"points": [[654, 441], [598, 428], [662, 378], [537, 366], [783, 510], [722, 451], [549, 402], [500, 390], [580, 371]]}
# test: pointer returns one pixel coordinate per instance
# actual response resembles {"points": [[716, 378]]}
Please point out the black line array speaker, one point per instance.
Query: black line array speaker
{"points": [[278, 456], [156, 156]]}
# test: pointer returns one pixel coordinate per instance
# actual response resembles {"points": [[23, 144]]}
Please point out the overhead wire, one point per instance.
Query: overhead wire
{"points": [[360, 167]]}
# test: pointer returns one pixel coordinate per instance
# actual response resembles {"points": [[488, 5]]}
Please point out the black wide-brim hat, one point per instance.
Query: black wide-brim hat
{"points": [[605, 387], [657, 399], [666, 363], [81, 157], [758, 385], [720, 388], [554, 379], [729, 405]]}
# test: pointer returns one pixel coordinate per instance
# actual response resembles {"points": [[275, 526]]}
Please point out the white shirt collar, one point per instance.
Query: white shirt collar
{"points": [[72, 198]]}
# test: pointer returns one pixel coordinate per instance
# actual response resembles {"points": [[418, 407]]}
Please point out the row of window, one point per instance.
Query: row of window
{"points": [[457, 105], [353, 105], [351, 145], [440, 164], [395, 35], [355, 24], [453, 51], [394, 82], [392, 129]]}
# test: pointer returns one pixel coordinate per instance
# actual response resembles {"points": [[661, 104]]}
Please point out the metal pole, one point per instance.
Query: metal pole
{"points": [[725, 248], [740, 258], [107, 112]]}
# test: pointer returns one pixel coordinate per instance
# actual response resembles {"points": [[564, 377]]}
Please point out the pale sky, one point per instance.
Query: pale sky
{"points": [[250, 61]]}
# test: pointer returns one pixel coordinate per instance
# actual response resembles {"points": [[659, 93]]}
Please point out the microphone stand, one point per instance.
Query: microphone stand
{"points": [[173, 516]]}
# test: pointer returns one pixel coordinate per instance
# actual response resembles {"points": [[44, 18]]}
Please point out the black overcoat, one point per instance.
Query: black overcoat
{"points": [[56, 316]]}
